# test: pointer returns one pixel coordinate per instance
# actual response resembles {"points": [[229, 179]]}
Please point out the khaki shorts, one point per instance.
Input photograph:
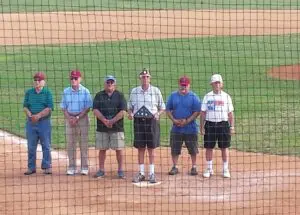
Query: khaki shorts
{"points": [[108, 140]]}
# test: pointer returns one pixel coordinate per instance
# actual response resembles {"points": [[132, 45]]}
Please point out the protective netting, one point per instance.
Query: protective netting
{"points": [[253, 45]]}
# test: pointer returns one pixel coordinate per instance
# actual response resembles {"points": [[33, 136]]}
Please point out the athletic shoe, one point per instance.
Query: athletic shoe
{"points": [[207, 173], [173, 171], [71, 172], [48, 171], [84, 172], [99, 174], [226, 173], [152, 178], [194, 171], [30, 172], [121, 174], [138, 178]]}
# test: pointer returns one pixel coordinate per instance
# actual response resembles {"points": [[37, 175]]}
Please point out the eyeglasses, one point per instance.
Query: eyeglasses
{"points": [[37, 80], [145, 77], [74, 78], [110, 82]]}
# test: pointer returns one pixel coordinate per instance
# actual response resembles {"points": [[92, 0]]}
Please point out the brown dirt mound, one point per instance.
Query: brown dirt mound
{"points": [[287, 72]]}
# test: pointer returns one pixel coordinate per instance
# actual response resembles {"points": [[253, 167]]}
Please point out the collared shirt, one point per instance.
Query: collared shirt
{"points": [[110, 106], [182, 107], [217, 106], [75, 101], [36, 102], [151, 98]]}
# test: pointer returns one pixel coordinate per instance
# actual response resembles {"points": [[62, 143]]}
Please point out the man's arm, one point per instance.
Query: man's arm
{"points": [[231, 122], [202, 121]]}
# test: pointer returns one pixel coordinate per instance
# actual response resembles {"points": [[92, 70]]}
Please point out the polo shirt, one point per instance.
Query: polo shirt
{"points": [[75, 101], [217, 106], [183, 106], [151, 98], [110, 106], [36, 102]]}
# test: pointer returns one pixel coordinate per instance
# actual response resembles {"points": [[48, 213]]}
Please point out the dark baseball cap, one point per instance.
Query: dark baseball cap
{"points": [[40, 76], [75, 74], [145, 72], [184, 81]]}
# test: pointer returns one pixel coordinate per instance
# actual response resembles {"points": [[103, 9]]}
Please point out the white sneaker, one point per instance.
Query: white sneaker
{"points": [[226, 173], [84, 172], [208, 172], [71, 172]]}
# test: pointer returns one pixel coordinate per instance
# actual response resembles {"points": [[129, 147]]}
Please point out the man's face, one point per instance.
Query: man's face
{"points": [[110, 85], [145, 79], [38, 83], [75, 81], [217, 86], [184, 89]]}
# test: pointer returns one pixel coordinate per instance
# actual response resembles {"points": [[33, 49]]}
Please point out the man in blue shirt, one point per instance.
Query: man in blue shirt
{"points": [[76, 103], [183, 107]]}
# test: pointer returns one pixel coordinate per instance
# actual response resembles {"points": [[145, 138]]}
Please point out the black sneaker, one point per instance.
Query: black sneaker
{"points": [[138, 178], [173, 171], [194, 171]]}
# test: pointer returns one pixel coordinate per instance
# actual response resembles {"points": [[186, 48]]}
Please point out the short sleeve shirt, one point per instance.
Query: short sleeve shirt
{"points": [[151, 98], [183, 106], [75, 101], [217, 106], [36, 102], [110, 106]]}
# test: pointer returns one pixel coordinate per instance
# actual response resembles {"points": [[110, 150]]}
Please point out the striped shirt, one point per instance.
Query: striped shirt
{"points": [[151, 98], [75, 101], [36, 102]]}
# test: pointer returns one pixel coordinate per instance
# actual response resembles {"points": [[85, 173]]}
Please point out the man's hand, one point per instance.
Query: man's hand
{"points": [[35, 118], [202, 130]]}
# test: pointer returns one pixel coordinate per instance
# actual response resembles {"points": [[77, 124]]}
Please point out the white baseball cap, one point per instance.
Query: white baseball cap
{"points": [[216, 78]]}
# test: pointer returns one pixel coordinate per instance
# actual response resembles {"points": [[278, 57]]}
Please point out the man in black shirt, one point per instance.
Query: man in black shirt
{"points": [[109, 106]]}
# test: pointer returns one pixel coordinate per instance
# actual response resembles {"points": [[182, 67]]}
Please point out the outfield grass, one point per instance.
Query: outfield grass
{"points": [[9, 6], [267, 110]]}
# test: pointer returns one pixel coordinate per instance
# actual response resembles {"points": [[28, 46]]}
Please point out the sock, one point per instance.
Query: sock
{"points": [[225, 165], [142, 169], [151, 169], [210, 164]]}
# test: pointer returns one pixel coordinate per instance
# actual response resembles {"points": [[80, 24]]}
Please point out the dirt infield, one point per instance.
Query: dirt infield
{"points": [[260, 184]]}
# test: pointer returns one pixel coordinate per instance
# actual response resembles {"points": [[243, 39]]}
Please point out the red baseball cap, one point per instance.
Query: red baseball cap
{"points": [[75, 74], [184, 81], [40, 76]]}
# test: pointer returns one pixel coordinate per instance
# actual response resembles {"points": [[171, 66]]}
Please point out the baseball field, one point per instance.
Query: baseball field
{"points": [[255, 46]]}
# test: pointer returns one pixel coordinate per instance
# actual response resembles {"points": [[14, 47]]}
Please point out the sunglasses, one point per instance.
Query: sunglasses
{"points": [[110, 82], [74, 78]]}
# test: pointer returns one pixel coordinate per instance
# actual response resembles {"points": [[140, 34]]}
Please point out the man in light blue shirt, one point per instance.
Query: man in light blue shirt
{"points": [[76, 103]]}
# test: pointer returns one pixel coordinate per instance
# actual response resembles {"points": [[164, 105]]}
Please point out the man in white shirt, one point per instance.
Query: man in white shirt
{"points": [[217, 124], [145, 106]]}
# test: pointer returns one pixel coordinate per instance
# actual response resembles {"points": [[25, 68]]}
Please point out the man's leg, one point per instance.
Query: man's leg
{"points": [[45, 138], [84, 129], [32, 140]]}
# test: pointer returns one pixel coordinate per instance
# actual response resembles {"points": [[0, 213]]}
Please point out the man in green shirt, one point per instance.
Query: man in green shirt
{"points": [[38, 105]]}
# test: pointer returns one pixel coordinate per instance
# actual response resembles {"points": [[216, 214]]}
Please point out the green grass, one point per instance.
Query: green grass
{"points": [[83, 5], [267, 110]]}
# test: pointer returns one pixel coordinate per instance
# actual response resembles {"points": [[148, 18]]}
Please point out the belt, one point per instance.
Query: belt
{"points": [[217, 123], [143, 118]]}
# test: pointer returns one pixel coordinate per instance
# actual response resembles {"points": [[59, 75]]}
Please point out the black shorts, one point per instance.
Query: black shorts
{"points": [[190, 140], [146, 133], [217, 131]]}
